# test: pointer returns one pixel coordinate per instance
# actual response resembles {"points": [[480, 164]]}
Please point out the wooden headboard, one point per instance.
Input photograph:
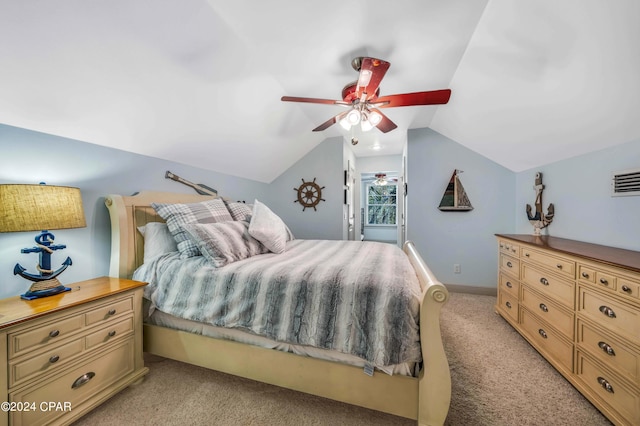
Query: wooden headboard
{"points": [[127, 214]]}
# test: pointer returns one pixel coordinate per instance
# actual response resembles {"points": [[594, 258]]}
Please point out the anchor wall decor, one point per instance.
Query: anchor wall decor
{"points": [[539, 220]]}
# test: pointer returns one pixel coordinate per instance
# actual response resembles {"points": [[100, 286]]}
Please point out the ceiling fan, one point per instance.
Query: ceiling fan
{"points": [[363, 102]]}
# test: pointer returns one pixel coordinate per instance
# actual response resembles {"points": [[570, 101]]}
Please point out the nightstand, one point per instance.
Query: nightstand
{"points": [[66, 354]]}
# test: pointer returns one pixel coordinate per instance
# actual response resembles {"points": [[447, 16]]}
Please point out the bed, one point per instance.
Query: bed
{"points": [[424, 395]]}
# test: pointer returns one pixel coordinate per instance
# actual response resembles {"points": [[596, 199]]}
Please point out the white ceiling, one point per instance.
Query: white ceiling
{"points": [[199, 82]]}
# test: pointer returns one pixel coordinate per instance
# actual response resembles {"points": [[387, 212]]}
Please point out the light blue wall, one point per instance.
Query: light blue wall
{"points": [[324, 163], [464, 238], [32, 157], [580, 189]]}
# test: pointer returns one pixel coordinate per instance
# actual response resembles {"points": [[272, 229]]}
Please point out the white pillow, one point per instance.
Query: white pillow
{"points": [[157, 240], [268, 228]]}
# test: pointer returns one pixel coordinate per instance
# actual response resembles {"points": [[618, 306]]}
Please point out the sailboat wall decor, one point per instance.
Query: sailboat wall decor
{"points": [[455, 198]]}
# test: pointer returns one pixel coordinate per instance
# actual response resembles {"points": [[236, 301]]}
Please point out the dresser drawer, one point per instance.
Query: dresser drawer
{"points": [[599, 277], [41, 335], [508, 305], [108, 334], [510, 265], [561, 265], [53, 359], [509, 285], [96, 375], [610, 351], [547, 340], [610, 389], [106, 312], [509, 247], [548, 311], [611, 314], [629, 288], [556, 288]]}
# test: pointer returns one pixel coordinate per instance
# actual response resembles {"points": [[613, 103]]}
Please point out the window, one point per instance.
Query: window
{"points": [[381, 204]]}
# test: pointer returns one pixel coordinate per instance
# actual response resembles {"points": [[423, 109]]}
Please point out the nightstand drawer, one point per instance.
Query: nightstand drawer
{"points": [[610, 389], [106, 312], [547, 340], [41, 334], [75, 386], [557, 264], [548, 311], [111, 333], [52, 359], [556, 288], [613, 353], [611, 314]]}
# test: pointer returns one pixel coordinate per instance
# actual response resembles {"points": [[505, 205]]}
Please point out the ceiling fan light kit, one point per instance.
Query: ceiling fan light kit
{"points": [[362, 99]]}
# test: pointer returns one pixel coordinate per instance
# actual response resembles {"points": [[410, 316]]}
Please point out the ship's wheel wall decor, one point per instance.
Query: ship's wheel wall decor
{"points": [[309, 194]]}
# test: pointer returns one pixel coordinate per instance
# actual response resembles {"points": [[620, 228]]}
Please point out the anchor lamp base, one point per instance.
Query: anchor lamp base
{"points": [[44, 289]]}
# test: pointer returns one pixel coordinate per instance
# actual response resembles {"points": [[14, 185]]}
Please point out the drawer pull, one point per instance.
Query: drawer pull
{"points": [[626, 289], [111, 312], [112, 333], [585, 275], [607, 348], [544, 308], [607, 311], [527, 255], [542, 333], [544, 281], [604, 281], [83, 380], [559, 266], [508, 304], [54, 359], [605, 384], [54, 333], [509, 264], [508, 284]]}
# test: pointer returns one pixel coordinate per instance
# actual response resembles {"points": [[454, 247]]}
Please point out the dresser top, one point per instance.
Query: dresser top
{"points": [[14, 310], [622, 258]]}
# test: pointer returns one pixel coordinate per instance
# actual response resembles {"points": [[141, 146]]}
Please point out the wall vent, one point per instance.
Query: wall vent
{"points": [[625, 183]]}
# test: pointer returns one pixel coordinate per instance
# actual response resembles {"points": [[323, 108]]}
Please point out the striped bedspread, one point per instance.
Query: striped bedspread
{"points": [[360, 298]]}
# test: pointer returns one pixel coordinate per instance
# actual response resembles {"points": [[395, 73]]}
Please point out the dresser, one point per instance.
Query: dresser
{"points": [[67, 353], [578, 304]]}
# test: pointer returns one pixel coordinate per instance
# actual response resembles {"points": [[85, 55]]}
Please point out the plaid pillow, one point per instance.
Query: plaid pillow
{"points": [[240, 211], [223, 243], [176, 215]]}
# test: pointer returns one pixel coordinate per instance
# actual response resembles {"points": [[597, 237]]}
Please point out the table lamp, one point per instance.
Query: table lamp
{"points": [[41, 208]]}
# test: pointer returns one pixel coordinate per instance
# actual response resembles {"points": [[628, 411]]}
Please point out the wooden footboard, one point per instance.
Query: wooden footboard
{"points": [[425, 398]]}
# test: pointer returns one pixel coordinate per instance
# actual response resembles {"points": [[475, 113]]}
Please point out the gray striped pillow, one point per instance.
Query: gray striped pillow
{"points": [[177, 215], [223, 243]]}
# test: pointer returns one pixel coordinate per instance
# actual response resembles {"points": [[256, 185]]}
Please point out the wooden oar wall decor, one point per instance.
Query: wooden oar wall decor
{"points": [[200, 188]]}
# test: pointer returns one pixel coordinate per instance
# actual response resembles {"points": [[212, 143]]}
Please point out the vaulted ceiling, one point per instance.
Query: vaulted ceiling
{"points": [[200, 82]]}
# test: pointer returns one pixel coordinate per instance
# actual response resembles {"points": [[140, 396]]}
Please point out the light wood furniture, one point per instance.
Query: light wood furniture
{"points": [[67, 353], [578, 304], [425, 398]]}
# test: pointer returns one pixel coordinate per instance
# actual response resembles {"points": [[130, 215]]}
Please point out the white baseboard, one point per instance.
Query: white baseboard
{"points": [[484, 291]]}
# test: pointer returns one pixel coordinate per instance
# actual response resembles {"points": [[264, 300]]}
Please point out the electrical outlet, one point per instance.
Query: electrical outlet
{"points": [[456, 268]]}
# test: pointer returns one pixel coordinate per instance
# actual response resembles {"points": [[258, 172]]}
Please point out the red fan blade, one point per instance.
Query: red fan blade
{"points": [[314, 100], [434, 97], [371, 72], [330, 122], [385, 125]]}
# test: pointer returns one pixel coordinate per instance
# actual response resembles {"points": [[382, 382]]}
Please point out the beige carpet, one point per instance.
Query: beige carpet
{"points": [[497, 379]]}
